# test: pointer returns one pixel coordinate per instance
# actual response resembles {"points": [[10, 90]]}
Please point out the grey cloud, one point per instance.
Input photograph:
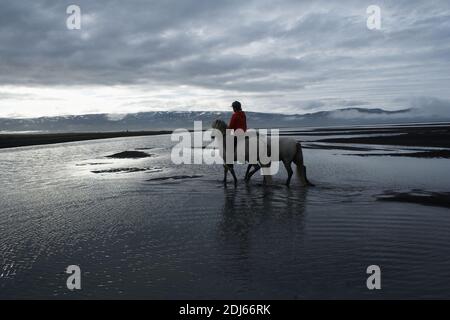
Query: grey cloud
{"points": [[17, 96], [430, 107], [252, 47]]}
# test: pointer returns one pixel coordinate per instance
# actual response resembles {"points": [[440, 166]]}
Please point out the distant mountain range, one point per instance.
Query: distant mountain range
{"points": [[179, 119]]}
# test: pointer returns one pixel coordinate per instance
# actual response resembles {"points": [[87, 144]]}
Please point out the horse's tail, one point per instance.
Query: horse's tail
{"points": [[301, 169]]}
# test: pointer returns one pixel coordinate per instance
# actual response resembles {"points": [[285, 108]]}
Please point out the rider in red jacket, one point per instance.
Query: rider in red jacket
{"points": [[238, 119]]}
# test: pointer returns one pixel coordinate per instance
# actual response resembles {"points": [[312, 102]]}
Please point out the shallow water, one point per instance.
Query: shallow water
{"points": [[168, 231]]}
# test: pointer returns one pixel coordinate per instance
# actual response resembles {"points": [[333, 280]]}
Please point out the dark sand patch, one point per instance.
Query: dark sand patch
{"points": [[92, 164], [12, 140], [418, 137], [435, 199], [180, 177], [129, 155], [386, 128], [127, 170], [423, 154], [334, 147], [342, 132]]}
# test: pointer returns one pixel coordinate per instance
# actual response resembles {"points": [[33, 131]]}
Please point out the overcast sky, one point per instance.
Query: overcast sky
{"points": [[274, 56]]}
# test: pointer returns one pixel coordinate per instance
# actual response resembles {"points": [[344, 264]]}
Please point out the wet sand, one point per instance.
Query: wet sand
{"points": [[333, 147], [425, 154], [431, 135], [414, 141], [21, 140], [147, 228], [129, 155], [426, 136], [436, 199]]}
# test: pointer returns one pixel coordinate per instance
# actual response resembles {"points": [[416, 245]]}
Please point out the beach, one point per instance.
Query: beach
{"points": [[141, 227]]}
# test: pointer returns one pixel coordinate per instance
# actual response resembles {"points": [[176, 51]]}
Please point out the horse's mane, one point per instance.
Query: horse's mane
{"points": [[220, 125]]}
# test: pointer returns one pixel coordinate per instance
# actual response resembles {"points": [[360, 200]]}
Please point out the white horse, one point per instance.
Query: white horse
{"points": [[222, 127], [289, 151]]}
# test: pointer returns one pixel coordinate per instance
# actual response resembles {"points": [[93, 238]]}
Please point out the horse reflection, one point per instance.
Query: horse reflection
{"points": [[247, 212]]}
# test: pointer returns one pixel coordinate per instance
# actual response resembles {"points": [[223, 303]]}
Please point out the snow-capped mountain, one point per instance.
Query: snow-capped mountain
{"points": [[180, 119]]}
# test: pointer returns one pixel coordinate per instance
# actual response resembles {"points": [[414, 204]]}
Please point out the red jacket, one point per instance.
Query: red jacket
{"points": [[238, 121]]}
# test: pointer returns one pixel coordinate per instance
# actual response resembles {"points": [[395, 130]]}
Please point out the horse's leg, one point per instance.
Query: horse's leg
{"points": [[231, 168], [267, 178], [251, 173], [288, 167], [301, 169], [225, 173], [247, 172]]}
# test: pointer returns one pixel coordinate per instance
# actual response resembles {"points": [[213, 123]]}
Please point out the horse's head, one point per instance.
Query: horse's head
{"points": [[220, 125]]}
